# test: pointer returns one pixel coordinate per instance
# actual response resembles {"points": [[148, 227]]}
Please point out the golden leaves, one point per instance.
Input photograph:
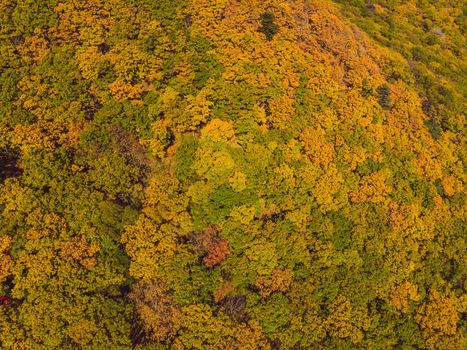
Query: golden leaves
{"points": [[282, 111], [238, 181], [449, 185], [131, 63], [82, 21], [279, 281], [135, 71], [402, 294], [439, 313], [151, 242], [403, 216], [372, 189], [89, 59], [6, 262], [122, 90], [262, 256], [160, 134], [41, 135], [429, 166], [214, 164], [35, 48], [345, 322], [164, 202], [198, 109], [81, 250], [354, 156], [218, 131], [325, 185], [148, 246], [161, 318], [201, 330], [82, 332], [317, 149], [36, 95], [311, 90]]}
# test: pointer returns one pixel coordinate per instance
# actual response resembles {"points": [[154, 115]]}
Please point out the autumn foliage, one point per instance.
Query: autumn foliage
{"points": [[232, 174]]}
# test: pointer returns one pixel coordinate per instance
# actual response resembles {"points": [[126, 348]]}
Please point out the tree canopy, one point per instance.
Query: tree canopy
{"points": [[213, 174]]}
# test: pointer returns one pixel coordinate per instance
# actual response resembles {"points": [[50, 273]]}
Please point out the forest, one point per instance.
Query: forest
{"points": [[233, 174]]}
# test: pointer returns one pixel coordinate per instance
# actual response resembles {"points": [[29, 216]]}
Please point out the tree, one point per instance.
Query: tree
{"points": [[268, 27], [160, 317]]}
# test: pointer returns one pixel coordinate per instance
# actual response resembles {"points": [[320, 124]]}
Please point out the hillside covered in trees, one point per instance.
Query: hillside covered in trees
{"points": [[233, 174]]}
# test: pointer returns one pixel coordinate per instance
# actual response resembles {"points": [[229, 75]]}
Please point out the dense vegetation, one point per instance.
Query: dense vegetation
{"points": [[232, 174]]}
